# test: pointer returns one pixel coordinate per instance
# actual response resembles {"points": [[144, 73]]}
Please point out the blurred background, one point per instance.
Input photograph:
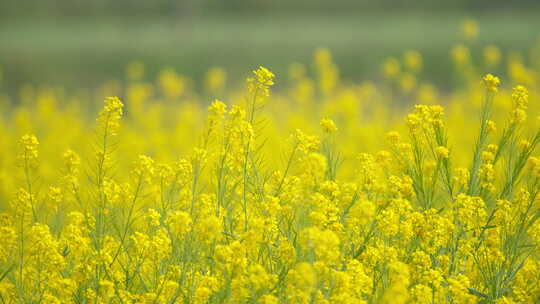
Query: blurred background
{"points": [[77, 43]]}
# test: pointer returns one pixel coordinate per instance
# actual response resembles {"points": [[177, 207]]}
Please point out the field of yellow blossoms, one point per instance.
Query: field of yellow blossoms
{"points": [[312, 190]]}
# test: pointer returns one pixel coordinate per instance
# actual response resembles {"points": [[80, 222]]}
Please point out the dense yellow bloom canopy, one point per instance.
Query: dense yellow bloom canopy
{"points": [[256, 197]]}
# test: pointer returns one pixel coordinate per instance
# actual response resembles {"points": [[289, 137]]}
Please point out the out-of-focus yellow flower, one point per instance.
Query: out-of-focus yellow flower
{"points": [[461, 55], [469, 29], [327, 71], [215, 80], [391, 68], [29, 148], [491, 126], [172, 84], [179, 222], [413, 60], [328, 125], [442, 152], [491, 82], [407, 82]]}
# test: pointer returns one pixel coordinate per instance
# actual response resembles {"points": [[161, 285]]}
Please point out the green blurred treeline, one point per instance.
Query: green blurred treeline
{"points": [[163, 8]]}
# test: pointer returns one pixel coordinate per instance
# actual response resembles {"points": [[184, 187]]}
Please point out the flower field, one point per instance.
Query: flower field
{"points": [[298, 188]]}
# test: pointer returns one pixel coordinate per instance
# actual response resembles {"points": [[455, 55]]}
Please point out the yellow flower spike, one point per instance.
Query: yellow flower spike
{"points": [[71, 160], [413, 122], [491, 126], [153, 217], [110, 115], [55, 194], [492, 148], [217, 109], [179, 222], [393, 137], [442, 152], [524, 144], [107, 288], [264, 76], [491, 82], [487, 157], [29, 148], [520, 100], [261, 82], [328, 125]]}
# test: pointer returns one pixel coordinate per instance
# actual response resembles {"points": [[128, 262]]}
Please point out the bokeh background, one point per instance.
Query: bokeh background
{"points": [[77, 43]]}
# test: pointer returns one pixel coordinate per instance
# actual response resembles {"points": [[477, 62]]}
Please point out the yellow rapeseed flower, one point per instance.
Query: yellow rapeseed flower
{"points": [[469, 29], [328, 125], [442, 152], [491, 82]]}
